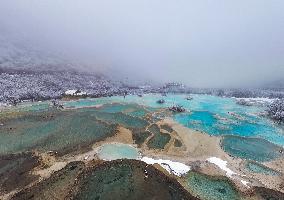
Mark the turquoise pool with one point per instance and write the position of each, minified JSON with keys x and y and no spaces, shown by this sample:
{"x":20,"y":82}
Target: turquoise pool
{"x":118,"y":151}
{"x":259,"y":168}
{"x":211,"y":188}
{"x":213,"y":115}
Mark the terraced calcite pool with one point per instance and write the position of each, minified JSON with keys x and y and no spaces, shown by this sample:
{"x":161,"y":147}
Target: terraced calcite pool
{"x":211,"y":188}
{"x":259,"y":168}
{"x":53,"y":130}
{"x":95,"y":148}
{"x":118,"y":151}
{"x":251,"y":148}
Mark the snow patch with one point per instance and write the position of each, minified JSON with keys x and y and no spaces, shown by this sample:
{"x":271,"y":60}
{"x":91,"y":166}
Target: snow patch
{"x":245,"y":183}
{"x":260,"y":100}
{"x":75,"y":93}
{"x":222,"y":164}
{"x":3,"y":104}
{"x":172,"y":167}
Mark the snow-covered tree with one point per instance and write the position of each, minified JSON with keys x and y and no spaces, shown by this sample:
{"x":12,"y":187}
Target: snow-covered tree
{"x":276,"y":110}
{"x":243,"y":102}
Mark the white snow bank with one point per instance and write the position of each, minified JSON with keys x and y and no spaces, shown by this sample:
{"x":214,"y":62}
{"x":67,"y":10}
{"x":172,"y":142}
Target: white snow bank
{"x":176,"y":168}
{"x":245,"y":183}
{"x":75,"y":93}
{"x":257,"y":100}
{"x":3,"y":104}
{"x":222,"y":165}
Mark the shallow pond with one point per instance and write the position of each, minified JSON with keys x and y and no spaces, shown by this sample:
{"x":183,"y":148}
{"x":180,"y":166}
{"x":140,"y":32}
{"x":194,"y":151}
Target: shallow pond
{"x":213,"y":115}
{"x":259,"y":168}
{"x":55,"y":131}
{"x":211,"y":188}
{"x":251,"y":148}
{"x":118,"y":151}
{"x":130,"y":109}
{"x":122,"y":119}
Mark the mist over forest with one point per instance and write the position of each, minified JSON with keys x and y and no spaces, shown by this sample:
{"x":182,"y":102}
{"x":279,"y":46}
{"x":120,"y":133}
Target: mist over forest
{"x":201,"y":44}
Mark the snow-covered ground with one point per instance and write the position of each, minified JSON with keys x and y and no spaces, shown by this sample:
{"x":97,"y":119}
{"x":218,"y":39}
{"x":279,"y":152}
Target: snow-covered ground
{"x":222,"y":164}
{"x":172,"y":167}
{"x":34,"y":85}
{"x":27,"y":72}
{"x":245,"y":183}
{"x":75,"y":93}
{"x":258,"y":100}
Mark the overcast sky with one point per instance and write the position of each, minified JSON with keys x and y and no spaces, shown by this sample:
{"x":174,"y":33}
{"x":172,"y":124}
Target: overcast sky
{"x":202,"y":43}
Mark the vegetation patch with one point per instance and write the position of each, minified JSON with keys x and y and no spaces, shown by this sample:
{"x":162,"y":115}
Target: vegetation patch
{"x":139,"y":136}
{"x":128,"y":179}
{"x":159,"y":140}
{"x":177,"y":143}
{"x":14,"y":171}
{"x":58,"y":186}
{"x":167,"y":128}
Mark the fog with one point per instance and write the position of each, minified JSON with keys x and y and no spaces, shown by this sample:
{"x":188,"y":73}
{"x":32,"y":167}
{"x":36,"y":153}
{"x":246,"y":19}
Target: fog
{"x":202,"y":43}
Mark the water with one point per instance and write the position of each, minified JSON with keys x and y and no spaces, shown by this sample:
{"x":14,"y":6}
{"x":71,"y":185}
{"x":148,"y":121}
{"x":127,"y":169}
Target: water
{"x":62,"y":130}
{"x":239,"y":124}
{"x":43,"y":106}
{"x":251,"y":148}
{"x":130,"y":109}
{"x":123,"y":119}
{"x":245,"y":134}
{"x":56,"y":131}
{"x":118,"y":151}
{"x":211,"y":188}
{"x":199,"y":120}
{"x":259,"y":168}
{"x":213,"y":115}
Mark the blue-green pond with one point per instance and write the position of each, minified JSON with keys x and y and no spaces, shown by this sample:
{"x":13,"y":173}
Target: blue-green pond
{"x":259,"y":168}
{"x":118,"y":151}
{"x":213,"y":115}
{"x":251,"y":148}
{"x":211,"y":188}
